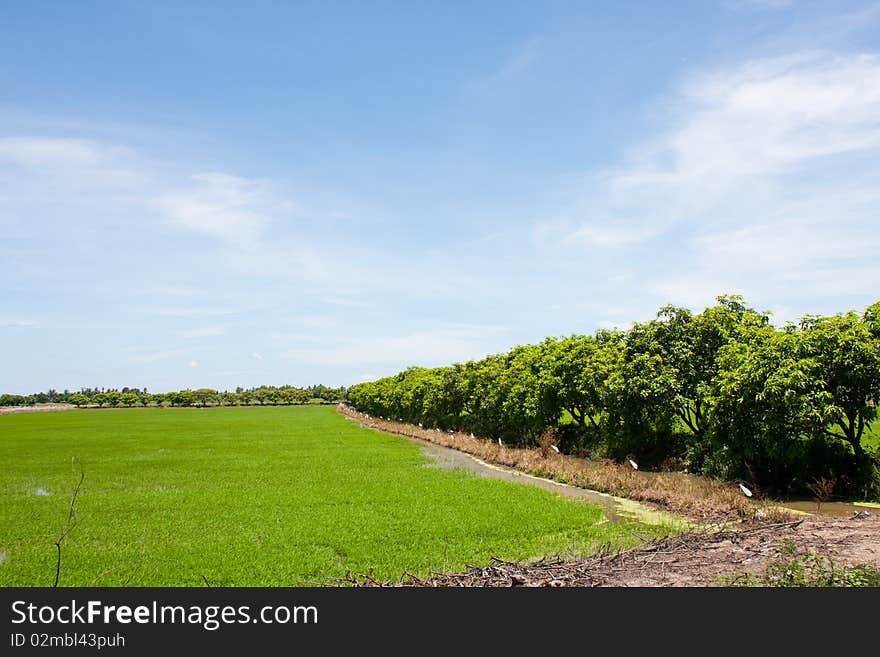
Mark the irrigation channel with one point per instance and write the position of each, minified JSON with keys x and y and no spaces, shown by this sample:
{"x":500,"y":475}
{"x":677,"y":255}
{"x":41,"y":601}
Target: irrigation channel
{"x":709,"y":555}
{"x":616,"y":509}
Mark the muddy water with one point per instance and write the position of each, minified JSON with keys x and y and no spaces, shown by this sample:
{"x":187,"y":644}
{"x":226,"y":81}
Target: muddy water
{"x":615,"y":509}
{"x":831,"y":509}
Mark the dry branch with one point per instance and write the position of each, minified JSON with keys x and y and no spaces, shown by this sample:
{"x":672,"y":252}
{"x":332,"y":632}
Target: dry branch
{"x":71,"y":520}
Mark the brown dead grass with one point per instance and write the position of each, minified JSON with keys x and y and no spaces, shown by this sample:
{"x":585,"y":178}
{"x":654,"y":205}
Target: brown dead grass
{"x":697,"y":497}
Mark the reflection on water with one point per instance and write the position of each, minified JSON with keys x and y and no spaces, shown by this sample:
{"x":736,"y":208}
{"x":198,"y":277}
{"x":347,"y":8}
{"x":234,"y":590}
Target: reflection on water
{"x":830,"y":509}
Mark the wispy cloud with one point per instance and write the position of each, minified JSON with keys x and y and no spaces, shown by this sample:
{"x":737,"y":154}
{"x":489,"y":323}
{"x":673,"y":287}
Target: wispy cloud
{"x":609,"y":236}
{"x":206,"y":332}
{"x":188,"y":311}
{"x":317,"y":321}
{"x":769,"y":172}
{"x":156,"y":356}
{"x":761,"y":5}
{"x":66,"y":170}
{"x":508,"y":71}
{"x":17,"y":323}
{"x":429,"y":346}
{"x":175,"y":291}
{"x":521,"y":60}
{"x":44,"y":152}
{"x":347,"y":302}
{"x":762,"y":119}
{"x":230,"y":208}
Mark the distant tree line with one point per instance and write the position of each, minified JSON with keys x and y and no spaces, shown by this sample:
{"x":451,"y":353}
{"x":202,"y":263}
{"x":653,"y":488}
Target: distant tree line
{"x":132,"y":397}
{"x":721,"y":392}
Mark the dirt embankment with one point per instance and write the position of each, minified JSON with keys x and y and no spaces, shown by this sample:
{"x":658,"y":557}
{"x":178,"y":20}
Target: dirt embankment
{"x":698,"y":558}
{"x":9,"y":410}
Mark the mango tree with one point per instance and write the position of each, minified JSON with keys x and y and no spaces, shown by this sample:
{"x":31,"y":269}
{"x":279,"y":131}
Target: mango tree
{"x":845,"y":357}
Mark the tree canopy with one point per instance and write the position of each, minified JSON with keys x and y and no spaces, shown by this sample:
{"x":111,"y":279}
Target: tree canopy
{"x":722,"y":392}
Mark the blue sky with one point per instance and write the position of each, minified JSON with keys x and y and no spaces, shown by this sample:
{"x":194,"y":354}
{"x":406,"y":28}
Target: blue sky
{"x":223,"y":194}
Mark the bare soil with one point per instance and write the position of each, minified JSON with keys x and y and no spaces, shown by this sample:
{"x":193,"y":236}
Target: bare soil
{"x":698,"y":558}
{"x":9,"y":410}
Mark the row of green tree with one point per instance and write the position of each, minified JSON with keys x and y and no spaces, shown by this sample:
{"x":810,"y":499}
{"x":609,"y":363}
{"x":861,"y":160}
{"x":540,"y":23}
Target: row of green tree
{"x":130,"y":397}
{"x":53,"y":396}
{"x":722,"y":392}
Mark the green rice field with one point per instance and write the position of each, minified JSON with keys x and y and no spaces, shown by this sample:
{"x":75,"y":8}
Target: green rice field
{"x":278,"y":496}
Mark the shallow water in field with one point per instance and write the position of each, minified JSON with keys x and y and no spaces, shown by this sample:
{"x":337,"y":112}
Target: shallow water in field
{"x":615,"y":509}
{"x":832,"y":509}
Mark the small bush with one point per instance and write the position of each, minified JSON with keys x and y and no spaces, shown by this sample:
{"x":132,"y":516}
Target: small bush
{"x":547,"y":439}
{"x":808,"y":570}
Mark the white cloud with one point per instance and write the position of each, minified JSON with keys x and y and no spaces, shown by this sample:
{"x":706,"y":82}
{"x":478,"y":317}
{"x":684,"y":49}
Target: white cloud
{"x":156,"y":356}
{"x":44,"y":152}
{"x":176,"y":291}
{"x":786,"y":246}
{"x":432,"y":346}
{"x":511,"y":69}
{"x":766,"y":5}
{"x":193,"y":363}
{"x":189,"y":311}
{"x":206,"y":332}
{"x":699,"y":291}
{"x":47,"y":169}
{"x":257,"y":356}
{"x":769,"y":173}
{"x":520,"y":62}
{"x":232,"y":209}
{"x":609,"y":236}
{"x":17,"y":323}
{"x":754,"y":122}
{"x":317,"y":321}
{"x":345,"y":302}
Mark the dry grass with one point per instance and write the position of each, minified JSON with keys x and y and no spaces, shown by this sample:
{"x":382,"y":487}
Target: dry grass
{"x":691,"y":495}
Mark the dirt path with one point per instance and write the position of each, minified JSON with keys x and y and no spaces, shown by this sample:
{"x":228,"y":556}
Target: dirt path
{"x":9,"y":410}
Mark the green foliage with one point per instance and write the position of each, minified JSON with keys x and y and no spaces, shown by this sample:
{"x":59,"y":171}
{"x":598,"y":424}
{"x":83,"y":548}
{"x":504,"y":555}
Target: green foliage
{"x":274,"y":496}
{"x":581,"y":369}
{"x":264,"y":395}
{"x":78,"y":399}
{"x":722,"y":392}
{"x":15,"y":400}
{"x":845,"y":354}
